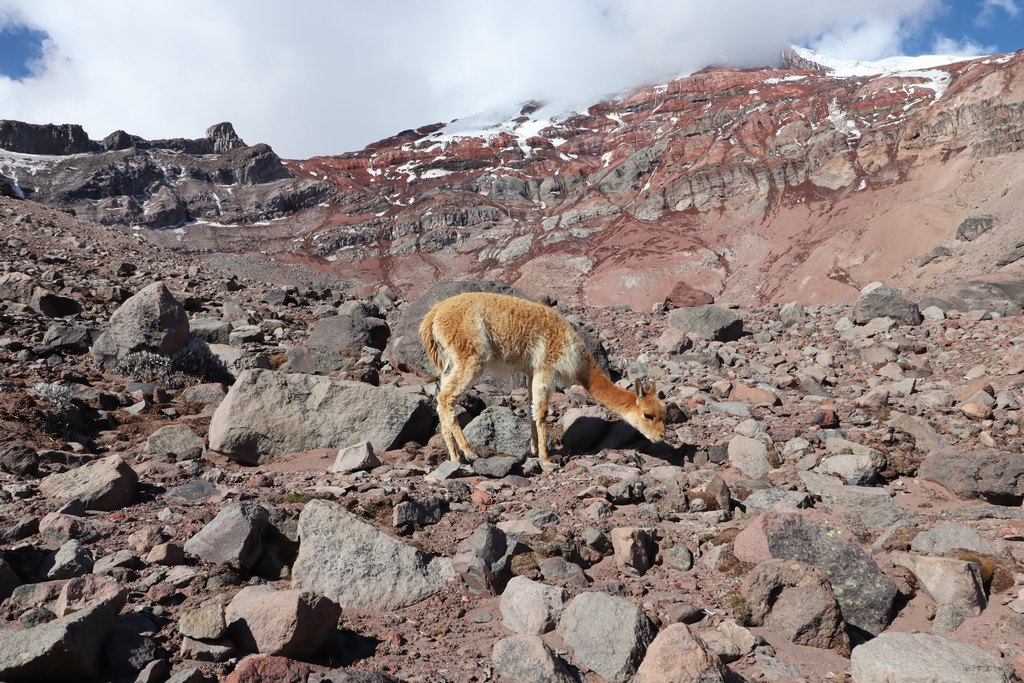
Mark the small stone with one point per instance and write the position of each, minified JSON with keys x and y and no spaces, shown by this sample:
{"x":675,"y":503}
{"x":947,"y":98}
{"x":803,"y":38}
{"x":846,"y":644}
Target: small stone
{"x":204,"y":623}
{"x":530,"y":607}
{"x":355,"y":458}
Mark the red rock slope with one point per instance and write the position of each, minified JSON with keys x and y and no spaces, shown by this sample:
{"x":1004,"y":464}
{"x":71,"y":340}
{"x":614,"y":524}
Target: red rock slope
{"x":755,"y":185}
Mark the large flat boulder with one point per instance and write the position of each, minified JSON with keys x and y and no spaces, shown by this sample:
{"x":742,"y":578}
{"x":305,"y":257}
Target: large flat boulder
{"x":107,"y":484}
{"x":271,"y":413}
{"x":711,"y":322}
{"x":996,"y":476}
{"x":914,"y":657}
{"x":66,"y":649}
{"x":359,"y":567}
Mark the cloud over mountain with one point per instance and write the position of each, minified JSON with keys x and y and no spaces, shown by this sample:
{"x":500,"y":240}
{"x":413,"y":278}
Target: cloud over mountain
{"x":314,"y":78}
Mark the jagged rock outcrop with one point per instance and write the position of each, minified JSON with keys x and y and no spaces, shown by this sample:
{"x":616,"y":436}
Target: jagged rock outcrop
{"x":31,"y":138}
{"x":156,"y":183}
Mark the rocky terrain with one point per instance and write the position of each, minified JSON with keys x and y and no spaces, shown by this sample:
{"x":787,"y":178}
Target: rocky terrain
{"x":206,"y":476}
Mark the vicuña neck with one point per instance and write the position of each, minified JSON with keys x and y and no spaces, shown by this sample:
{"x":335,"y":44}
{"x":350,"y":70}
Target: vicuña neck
{"x":605,"y":391}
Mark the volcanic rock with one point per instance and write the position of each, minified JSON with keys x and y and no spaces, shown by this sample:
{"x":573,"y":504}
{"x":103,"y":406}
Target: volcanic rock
{"x":900,"y":657}
{"x":867,"y":596}
{"x":357,"y":566}
{"x":151,"y":320}
{"x":609,"y":635}
{"x":267,"y":413}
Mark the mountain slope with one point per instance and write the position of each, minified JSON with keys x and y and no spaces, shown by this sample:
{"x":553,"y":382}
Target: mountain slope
{"x":753,"y":185}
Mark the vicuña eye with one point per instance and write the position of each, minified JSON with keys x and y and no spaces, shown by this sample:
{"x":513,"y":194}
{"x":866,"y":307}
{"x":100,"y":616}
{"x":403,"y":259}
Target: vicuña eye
{"x":648,"y":416}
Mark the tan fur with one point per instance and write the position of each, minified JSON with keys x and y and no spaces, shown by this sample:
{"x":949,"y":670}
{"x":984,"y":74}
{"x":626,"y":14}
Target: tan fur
{"x":468,"y":334}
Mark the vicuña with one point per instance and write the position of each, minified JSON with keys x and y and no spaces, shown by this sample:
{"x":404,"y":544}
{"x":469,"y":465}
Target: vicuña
{"x":471,"y":333}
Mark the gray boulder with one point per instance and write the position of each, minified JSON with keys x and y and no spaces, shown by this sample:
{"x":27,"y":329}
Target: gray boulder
{"x":527,"y":659}
{"x":355,"y":565}
{"x":921,"y":657}
{"x":711,"y":322}
{"x":151,"y":320}
{"x":607,"y":634}
{"x":499,"y":428}
{"x":996,"y":476}
{"x":177,"y":440}
{"x":65,"y":649}
{"x":531,"y":607}
{"x":337,"y":342}
{"x":973,"y":227}
{"x":270,"y":413}
{"x":955,"y":586}
{"x":879,"y":300}
{"x":484,"y":560}
{"x":70,"y":560}
{"x":73,"y":339}
{"x":17,"y":287}
{"x":948,"y":536}
{"x":233,"y":537}
{"x":211,"y":331}
{"x":873,"y":505}
{"x":866,"y":595}
{"x":107,"y":484}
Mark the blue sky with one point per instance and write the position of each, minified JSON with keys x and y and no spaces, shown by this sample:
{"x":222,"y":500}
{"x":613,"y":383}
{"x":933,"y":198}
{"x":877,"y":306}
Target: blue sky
{"x":992,"y":25}
{"x":328,"y":76}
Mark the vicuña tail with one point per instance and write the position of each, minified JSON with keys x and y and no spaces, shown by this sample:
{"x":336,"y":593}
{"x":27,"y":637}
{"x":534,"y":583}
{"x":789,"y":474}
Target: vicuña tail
{"x":429,"y":343}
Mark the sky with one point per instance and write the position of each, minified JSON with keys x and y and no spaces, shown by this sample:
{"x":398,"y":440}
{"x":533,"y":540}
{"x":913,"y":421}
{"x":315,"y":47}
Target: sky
{"x":314,"y":77}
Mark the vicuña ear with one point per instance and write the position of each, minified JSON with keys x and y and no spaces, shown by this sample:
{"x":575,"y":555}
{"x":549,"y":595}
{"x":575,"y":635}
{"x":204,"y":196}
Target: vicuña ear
{"x":653,"y":389}
{"x":638,"y":387}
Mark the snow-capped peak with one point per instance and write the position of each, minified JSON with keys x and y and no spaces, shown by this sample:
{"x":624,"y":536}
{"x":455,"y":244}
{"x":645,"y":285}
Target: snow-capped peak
{"x":891,"y":65}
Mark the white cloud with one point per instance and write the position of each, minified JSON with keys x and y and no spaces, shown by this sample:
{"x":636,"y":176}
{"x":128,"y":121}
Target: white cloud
{"x":991,"y":8}
{"x":944,"y":45}
{"x":320,"y":77}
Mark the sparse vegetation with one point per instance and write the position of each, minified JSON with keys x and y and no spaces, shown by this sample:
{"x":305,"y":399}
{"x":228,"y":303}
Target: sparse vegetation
{"x":192,"y":364}
{"x":736,"y":605}
{"x":57,"y":395}
{"x":297,"y":497}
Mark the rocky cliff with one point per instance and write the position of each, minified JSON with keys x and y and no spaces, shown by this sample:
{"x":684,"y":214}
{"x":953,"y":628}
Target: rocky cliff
{"x":125,"y":179}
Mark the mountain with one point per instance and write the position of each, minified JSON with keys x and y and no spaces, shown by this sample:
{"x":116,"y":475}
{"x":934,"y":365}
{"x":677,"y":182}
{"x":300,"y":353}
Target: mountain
{"x":802,"y":181}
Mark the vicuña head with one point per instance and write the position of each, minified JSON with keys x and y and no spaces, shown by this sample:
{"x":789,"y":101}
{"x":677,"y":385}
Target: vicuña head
{"x":471,"y":333}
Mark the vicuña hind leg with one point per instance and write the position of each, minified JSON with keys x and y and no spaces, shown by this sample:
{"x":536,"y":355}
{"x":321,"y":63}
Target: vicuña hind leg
{"x":533,"y":421}
{"x":454,"y":385}
{"x":540,"y":391}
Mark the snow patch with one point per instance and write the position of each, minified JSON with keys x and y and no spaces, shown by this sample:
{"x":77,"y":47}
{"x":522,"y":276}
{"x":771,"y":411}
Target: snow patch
{"x":846,"y":68}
